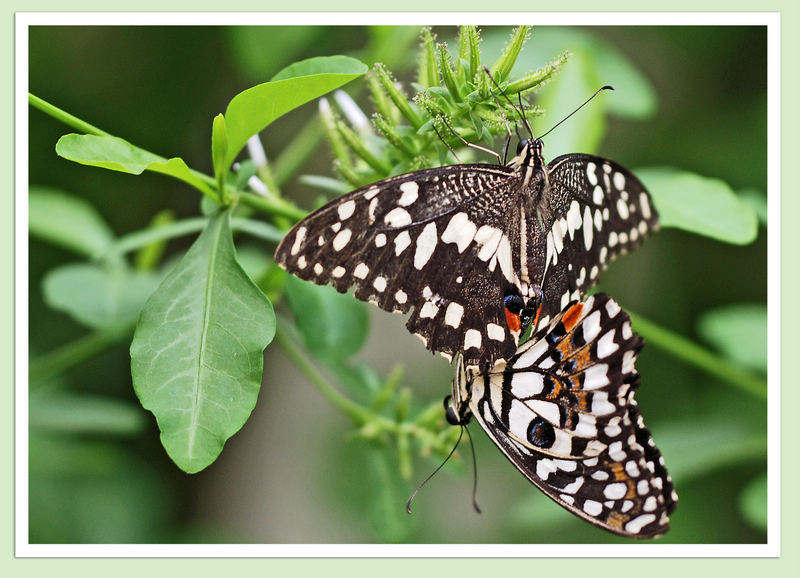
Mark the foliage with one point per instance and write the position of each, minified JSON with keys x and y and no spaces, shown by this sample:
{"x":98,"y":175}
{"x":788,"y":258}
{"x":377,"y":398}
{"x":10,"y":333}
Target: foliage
{"x":204,"y":318}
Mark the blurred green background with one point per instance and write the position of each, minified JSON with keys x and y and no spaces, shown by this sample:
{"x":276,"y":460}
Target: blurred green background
{"x":689,"y":97}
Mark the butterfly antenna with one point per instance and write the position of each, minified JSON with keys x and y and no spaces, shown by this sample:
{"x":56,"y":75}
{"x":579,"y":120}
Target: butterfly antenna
{"x":434,"y":472}
{"x":465,"y":141}
{"x":520,"y":109}
{"x":474,"y":473}
{"x":444,"y":141}
{"x":599,"y":90}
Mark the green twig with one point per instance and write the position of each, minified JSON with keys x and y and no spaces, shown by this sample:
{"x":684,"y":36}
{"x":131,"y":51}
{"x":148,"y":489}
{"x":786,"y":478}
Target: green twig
{"x":145,"y":237}
{"x":273,"y":206}
{"x":700,"y":357}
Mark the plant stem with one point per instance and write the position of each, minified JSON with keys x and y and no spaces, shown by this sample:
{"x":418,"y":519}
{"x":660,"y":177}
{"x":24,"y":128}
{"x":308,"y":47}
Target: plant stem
{"x":73,"y":353}
{"x":64,"y":116}
{"x":359,"y":414}
{"x":85,"y":127}
{"x":273,"y":206}
{"x":700,"y":357}
{"x":145,"y":237}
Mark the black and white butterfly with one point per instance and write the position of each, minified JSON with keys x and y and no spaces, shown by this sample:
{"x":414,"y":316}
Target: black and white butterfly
{"x":453,"y":242}
{"x":563,"y":411}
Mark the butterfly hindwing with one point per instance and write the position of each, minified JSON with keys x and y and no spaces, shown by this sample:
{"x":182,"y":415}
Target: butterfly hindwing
{"x":563,"y":411}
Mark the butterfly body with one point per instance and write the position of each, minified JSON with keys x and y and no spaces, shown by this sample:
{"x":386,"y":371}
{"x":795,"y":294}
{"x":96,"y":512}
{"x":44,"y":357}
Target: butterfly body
{"x":450,"y":243}
{"x":563,"y":412}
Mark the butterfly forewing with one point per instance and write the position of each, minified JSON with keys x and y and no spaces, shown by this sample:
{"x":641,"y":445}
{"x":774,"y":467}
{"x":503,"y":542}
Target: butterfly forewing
{"x":594,"y":211}
{"x":442,"y":241}
{"x":562,"y":410}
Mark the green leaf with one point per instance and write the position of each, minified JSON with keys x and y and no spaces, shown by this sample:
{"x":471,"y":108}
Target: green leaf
{"x":254,"y":109}
{"x":337,"y":64}
{"x":82,"y":414}
{"x":753,"y":503}
{"x":197,"y":354}
{"x":116,"y":154}
{"x":757,"y":201}
{"x":98,"y":297}
{"x":701,"y":205}
{"x":739,"y":331}
{"x":67,"y":221}
{"x":334,"y":325}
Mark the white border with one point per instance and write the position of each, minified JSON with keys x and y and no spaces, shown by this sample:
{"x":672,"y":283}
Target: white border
{"x":24,"y":549}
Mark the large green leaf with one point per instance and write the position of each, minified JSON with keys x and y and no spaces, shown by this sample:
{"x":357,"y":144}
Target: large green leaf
{"x":334,"y":325}
{"x":700,"y":205}
{"x":67,"y":221}
{"x":98,"y":297}
{"x":254,"y":109}
{"x":196,"y":356}
{"x":116,"y":154}
{"x":739,"y":331}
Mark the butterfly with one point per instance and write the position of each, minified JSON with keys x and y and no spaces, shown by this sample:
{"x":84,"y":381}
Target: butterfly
{"x":563,"y":412}
{"x":452,"y":242}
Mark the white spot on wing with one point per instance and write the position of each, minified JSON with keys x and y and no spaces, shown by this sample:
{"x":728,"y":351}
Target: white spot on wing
{"x":401,"y":242}
{"x":338,"y":272}
{"x":410,"y":192}
{"x":371,"y":193}
{"x":619,"y":180}
{"x":622,"y":209}
{"x":426,"y":244}
{"x":380,"y":240}
{"x":644,"y":201}
{"x":587,"y":228}
{"x":495,"y":332}
{"x":615,"y":491}
{"x":401,"y":297}
{"x":380,"y":284}
{"x":341,"y":239}
{"x":298,"y":240}
{"x":429,"y":310}
{"x":592,"y":508}
{"x":472,"y":339}
{"x":591,"y":174}
{"x":453,"y":314}
{"x":397,"y":217}
{"x":597,"y":195}
{"x":346,"y":210}
{"x":460,"y":230}
{"x":361,"y":271}
{"x":635,"y":526}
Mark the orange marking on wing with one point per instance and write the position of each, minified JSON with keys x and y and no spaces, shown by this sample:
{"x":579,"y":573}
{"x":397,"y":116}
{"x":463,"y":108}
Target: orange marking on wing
{"x":536,"y":317}
{"x":616,"y":520}
{"x":572,"y":316}
{"x":514,"y":324}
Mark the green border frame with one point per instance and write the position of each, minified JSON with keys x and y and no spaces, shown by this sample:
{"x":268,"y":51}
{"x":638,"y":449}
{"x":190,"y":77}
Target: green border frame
{"x":790,"y":238}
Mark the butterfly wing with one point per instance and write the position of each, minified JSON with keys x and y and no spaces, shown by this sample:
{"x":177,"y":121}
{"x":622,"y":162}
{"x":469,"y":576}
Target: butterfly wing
{"x":442,"y":241}
{"x":595,"y":209}
{"x":563,"y":412}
